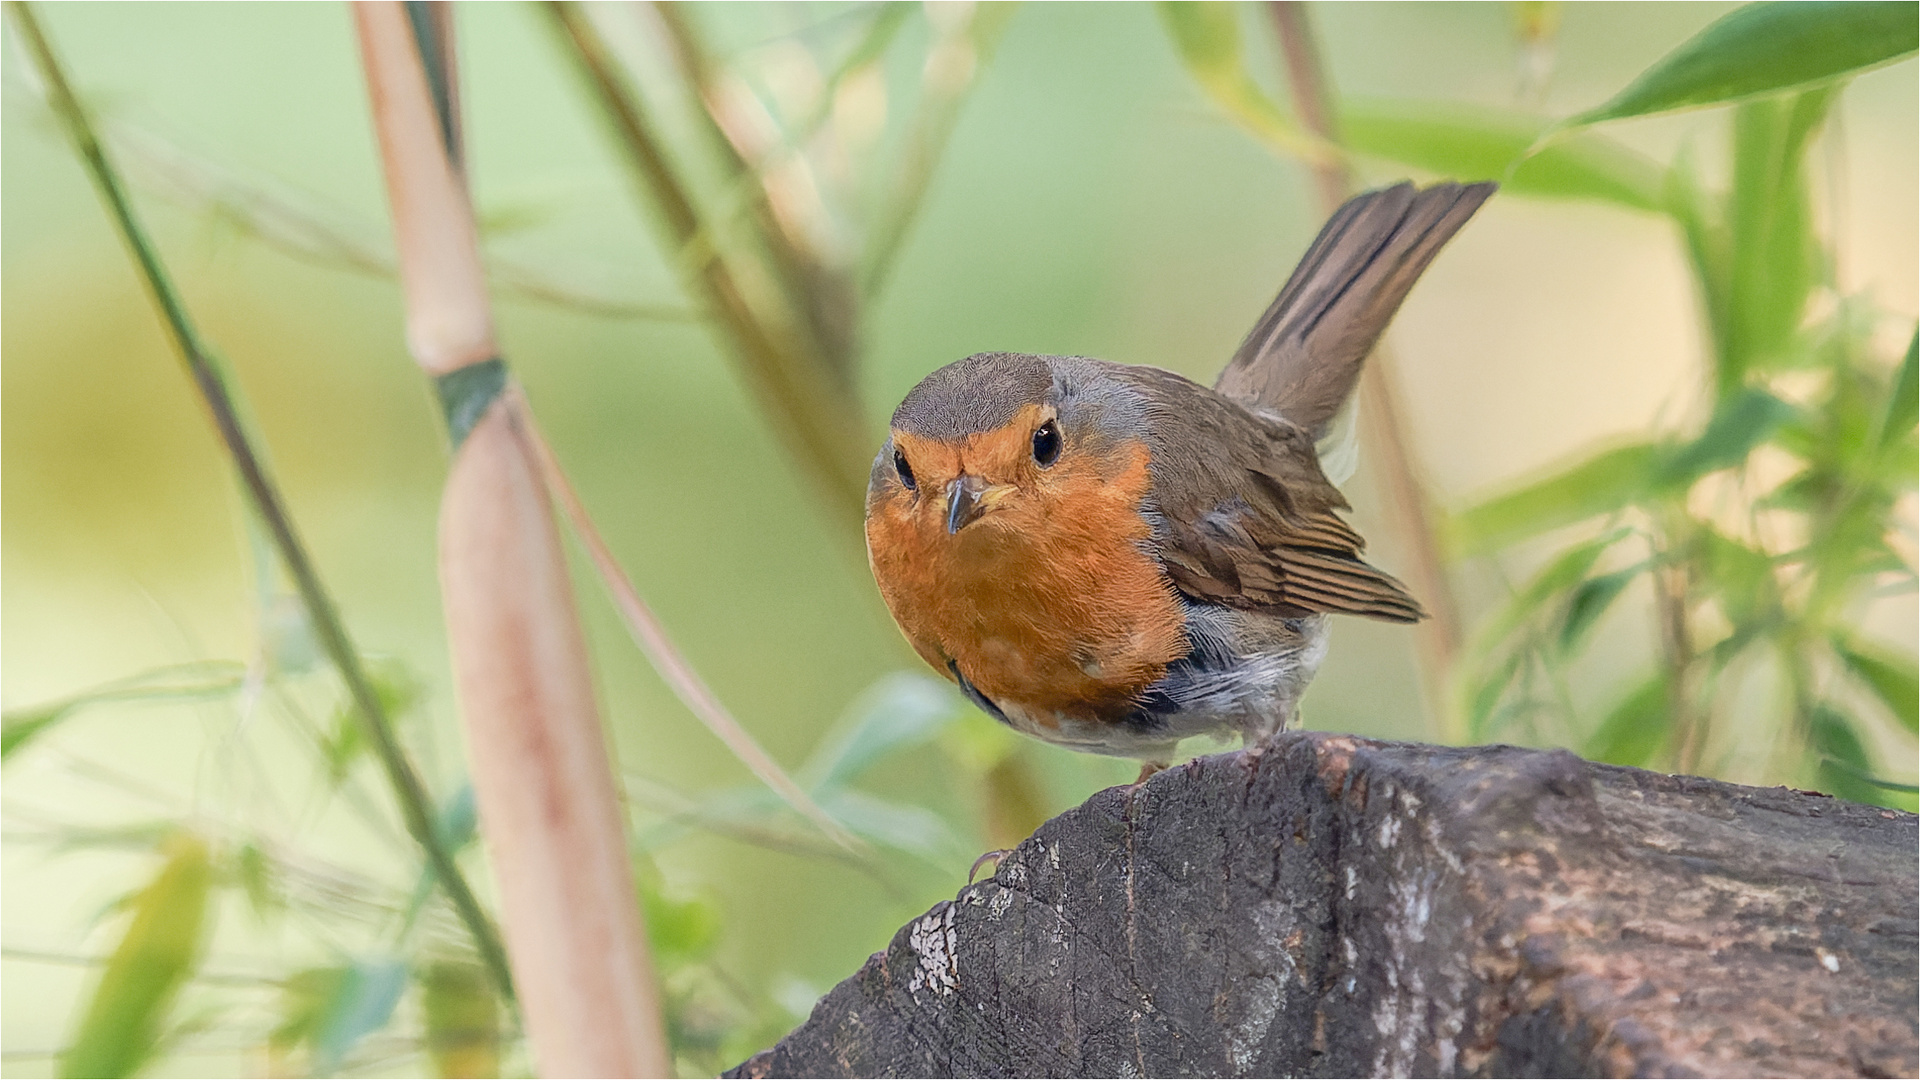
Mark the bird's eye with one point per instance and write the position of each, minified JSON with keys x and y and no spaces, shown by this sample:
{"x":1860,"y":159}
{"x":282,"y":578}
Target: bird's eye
{"x":1046,"y":444}
{"x":906,"y":472}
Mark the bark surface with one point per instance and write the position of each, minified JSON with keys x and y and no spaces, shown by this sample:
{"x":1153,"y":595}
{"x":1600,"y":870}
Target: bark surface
{"x":1334,"y":906}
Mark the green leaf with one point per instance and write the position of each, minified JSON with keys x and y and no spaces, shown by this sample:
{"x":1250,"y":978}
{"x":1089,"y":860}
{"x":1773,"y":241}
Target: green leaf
{"x":1903,"y":403}
{"x":462,"y":1018}
{"x":682,"y":929}
{"x":161,"y":946}
{"x":398,"y":690}
{"x":260,"y":879}
{"x":193,"y":681}
{"x":1843,"y":766}
{"x":900,"y":710}
{"x":1635,"y":729}
{"x":361,"y":1004}
{"x":1485,"y":698}
{"x":20,"y":727}
{"x":1893,"y":679}
{"x":1741,"y":577}
{"x":1765,"y":48}
{"x":1590,"y":601}
{"x":912,"y":829}
{"x":1775,"y":254}
{"x":1603,"y":483}
{"x":1740,"y":423}
{"x":1207,"y":36}
{"x":304,"y":997}
{"x":1474,"y":143}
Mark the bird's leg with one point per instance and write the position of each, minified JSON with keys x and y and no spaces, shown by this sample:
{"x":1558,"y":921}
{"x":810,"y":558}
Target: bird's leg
{"x":997,"y":856}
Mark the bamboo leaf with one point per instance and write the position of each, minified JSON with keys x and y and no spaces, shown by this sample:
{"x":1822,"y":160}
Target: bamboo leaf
{"x":1775,"y":255}
{"x":1741,"y":577}
{"x":1765,"y":48}
{"x":1590,"y":601}
{"x":1739,"y":424}
{"x":1843,"y":766}
{"x":1607,"y":481}
{"x":1469,"y":143}
{"x":191,"y":682}
{"x":1893,"y":679}
{"x":398,"y":690}
{"x":681,"y":929}
{"x":1207,"y":36}
{"x":1636,"y":727}
{"x":912,"y":829}
{"x":22,"y":726}
{"x":901,"y":710}
{"x":304,"y":997}
{"x":462,"y":1019}
{"x":361,"y":1004}
{"x":1904,"y":401}
{"x":160,"y":949}
{"x":260,"y":879}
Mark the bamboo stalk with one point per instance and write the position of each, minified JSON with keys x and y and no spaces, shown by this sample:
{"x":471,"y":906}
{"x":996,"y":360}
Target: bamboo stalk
{"x":549,"y":809}
{"x":813,"y":411}
{"x":1409,"y":507}
{"x":263,"y":494}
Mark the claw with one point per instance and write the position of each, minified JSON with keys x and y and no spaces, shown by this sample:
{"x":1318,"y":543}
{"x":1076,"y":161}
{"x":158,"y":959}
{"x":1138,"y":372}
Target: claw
{"x":996,"y":856}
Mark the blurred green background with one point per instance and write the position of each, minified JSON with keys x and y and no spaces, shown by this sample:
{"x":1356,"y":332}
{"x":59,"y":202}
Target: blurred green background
{"x":1090,"y":201}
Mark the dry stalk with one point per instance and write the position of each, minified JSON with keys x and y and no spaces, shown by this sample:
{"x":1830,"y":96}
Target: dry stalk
{"x":814,"y":412}
{"x":1409,"y":507}
{"x":550,"y":812}
{"x":652,"y":639}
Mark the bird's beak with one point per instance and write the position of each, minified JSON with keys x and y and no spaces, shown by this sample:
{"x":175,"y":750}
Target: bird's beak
{"x":968,"y":497}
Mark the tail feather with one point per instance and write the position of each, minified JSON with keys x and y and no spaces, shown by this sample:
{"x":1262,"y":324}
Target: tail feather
{"x":1303,"y":356}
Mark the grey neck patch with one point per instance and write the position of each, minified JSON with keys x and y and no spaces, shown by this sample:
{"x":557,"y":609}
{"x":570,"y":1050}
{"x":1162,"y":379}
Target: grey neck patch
{"x":980,"y":393}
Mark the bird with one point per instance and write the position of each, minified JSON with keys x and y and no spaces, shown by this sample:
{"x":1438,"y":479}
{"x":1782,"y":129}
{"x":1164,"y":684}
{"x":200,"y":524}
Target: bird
{"x":1113,"y":557}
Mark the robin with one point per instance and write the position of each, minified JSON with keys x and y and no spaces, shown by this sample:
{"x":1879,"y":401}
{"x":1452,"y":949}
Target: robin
{"x":1112,"y":557}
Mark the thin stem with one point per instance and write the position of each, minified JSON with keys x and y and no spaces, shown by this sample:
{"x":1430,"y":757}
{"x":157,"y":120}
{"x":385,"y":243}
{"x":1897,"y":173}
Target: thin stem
{"x":264,"y":494}
{"x":652,"y":639}
{"x":1409,"y":507}
{"x":822,"y":296}
{"x":951,"y":66}
{"x":1686,"y":724}
{"x":813,"y":412}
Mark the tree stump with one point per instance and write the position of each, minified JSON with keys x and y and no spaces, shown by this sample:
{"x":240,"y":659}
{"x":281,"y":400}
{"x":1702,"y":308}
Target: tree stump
{"x":1334,"y":906}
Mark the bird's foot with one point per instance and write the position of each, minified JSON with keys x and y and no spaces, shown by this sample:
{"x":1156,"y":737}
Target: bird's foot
{"x":997,"y":857}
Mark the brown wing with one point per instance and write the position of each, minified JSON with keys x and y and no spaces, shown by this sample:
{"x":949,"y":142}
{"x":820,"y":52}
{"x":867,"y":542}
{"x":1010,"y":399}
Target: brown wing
{"x":1302,"y":357}
{"x":1247,"y":519}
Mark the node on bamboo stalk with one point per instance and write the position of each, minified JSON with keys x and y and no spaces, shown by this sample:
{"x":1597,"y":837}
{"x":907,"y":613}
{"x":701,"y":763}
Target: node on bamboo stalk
{"x":549,"y":810}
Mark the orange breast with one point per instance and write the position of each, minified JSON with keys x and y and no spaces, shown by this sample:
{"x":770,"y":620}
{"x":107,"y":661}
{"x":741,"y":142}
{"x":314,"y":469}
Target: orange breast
{"x":1049,"y":600}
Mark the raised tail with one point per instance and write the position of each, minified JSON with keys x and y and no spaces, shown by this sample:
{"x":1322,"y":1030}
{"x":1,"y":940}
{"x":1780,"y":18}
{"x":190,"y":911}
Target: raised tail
{"x":1303,"y":356}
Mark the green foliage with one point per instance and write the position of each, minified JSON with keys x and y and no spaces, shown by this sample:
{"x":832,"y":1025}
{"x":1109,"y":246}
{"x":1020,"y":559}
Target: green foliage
{"x":125,"y":1017}
{"x":1470,"y":142}
{"x":462,"y":1017}
{"x":1601,"y":484}
{"x":1744,"y":571}
{"x":176,"y":682}
{"x":1728,"y":587}
{"x":1766,"y":48}
{"x":1207,"y":35}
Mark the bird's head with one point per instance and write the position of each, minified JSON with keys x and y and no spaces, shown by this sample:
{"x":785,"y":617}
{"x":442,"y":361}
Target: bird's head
{"x":996,"y":441}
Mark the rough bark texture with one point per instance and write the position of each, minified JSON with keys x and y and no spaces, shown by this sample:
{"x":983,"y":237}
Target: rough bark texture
{"x":1334,"y":906}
